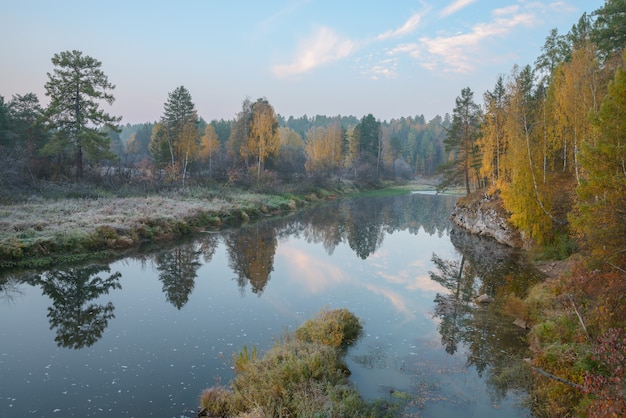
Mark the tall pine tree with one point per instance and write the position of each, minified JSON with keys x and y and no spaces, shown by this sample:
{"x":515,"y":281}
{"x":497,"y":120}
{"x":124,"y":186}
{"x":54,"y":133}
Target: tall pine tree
{"x":461,"y":141}
{"x":76,"y":87}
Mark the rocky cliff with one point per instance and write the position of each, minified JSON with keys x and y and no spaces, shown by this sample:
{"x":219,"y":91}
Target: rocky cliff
{"x":483,"y":214}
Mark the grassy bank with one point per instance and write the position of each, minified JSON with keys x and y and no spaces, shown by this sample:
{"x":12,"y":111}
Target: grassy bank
{"x":303,"y":375}
{"x":44,"y":232}
{"x":41,"y":232}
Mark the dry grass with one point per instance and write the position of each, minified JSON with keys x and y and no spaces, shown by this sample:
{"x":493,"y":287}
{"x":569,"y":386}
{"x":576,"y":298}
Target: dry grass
{"x":298,"y":377}
{"x":47,"y":227}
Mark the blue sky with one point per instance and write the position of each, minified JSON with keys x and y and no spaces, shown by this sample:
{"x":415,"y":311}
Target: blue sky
{"x":393,"y":58}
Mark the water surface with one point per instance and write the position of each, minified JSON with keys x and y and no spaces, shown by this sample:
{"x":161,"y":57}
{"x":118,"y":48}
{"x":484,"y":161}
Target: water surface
{"x":143,"y":336}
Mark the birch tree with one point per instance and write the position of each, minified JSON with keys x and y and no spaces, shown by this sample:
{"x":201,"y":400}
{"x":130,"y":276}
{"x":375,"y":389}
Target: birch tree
{"x":263,"y":139}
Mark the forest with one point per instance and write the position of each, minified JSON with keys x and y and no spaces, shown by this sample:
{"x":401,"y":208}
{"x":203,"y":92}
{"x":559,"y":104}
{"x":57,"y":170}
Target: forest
{"x":258,"y":148}
{"x":548,"y":141}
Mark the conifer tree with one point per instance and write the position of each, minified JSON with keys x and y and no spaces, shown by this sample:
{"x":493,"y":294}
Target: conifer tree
{"x":601,"y":217}
{"x":76,"y":88}
{"x":461,"y":142}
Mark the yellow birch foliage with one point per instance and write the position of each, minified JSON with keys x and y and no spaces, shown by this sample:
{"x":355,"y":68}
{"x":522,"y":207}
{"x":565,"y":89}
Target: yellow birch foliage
{"x":577,"y":93}
{"x":323,"y":148}
{"x":210,"y":144}
{"x":524,"y":193}
{"x":263,"y":140}
{"x":493,"y":140}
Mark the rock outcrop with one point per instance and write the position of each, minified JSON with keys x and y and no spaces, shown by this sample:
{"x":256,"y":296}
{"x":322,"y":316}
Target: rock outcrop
{"x":483,"y":214}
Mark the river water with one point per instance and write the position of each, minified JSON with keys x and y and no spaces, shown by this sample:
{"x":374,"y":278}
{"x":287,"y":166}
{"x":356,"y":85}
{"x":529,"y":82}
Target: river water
{"x":144,"y":335}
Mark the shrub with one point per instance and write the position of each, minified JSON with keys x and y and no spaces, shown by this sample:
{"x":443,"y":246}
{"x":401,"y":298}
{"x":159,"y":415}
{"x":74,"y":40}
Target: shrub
{"x":604,"y":383}
{"x":11,"y":249}
{"x":302,"y":375}
{"x":335,"y":328}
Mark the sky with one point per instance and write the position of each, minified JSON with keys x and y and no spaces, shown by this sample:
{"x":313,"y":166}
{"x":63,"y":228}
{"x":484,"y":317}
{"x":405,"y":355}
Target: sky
{"x":316,"y":57}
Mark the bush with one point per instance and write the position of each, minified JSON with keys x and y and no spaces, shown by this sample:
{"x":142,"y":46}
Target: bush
{"x":303,"y":375}
{"x":336,"y":328}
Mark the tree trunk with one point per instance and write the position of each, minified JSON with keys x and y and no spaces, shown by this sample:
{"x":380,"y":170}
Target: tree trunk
{"x":79,"y":162}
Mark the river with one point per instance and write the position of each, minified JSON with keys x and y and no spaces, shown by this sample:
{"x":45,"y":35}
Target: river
{"x":144,"y":335}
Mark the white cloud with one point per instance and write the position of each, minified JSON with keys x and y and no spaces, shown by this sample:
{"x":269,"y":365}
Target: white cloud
{"x":457,"y":53}
{"x":455,"y":7}
{"x":324,"y":47}
{"x":506,"y":10}
{"x":409,"y":26}
{"x":382,"y":68}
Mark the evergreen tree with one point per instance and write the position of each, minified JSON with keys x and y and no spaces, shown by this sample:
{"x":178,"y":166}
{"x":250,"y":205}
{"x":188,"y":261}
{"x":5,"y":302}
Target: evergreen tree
{"x":601,"y":218}
{"x":609,"y":29}
{"x":76,"y":87}
{"x":176,"y":137}
{"x":461,"y":141}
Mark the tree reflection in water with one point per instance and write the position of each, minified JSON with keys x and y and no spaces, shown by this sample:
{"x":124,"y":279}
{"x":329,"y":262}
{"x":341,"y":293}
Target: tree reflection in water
{"x":251,"y":253}
{"x":78,"y":323}
{"x":178,"y":269}
{"x":492,"y":344}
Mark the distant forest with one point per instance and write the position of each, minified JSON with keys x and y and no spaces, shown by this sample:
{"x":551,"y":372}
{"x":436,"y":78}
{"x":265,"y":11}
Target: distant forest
{"x":411,"y":146}
{"x":73,"y":140}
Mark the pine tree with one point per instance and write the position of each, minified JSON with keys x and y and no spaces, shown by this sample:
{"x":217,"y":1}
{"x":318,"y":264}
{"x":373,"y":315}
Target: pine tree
{"x":461,"y":141}
{"x":175,"y":139}
{"x":76,"y":87}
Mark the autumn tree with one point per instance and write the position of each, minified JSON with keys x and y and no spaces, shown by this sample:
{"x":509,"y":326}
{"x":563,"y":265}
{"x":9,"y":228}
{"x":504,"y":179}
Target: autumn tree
{"x":461,"y":141}
{"x":602,"y":190}
{"x":493,"y":140}
{"x":76,"y":88}
{"x":175,"y":139}
{"x":525,"y":193}
{"x":188,"y":145}
{"x":263,"y":138}
{"x":237,"y":144}
{"x":210,"y":145}
{"x":323,"y":149}
{"x":578,"y":89}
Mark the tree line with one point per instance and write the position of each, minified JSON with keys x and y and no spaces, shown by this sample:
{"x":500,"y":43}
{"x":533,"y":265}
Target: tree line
{"x":74,"y":139}
{"x":550,"y":138}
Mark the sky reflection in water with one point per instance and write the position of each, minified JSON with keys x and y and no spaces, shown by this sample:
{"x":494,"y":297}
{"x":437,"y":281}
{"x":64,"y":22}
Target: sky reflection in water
{"x":146,"y":334}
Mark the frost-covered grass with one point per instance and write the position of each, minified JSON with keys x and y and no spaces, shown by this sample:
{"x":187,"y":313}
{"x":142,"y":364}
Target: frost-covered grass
{"x":48,"y":227}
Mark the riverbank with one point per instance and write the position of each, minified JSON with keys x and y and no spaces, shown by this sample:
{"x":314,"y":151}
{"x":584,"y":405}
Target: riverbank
{"x":575,"y":319}
{"x":44,"y":232}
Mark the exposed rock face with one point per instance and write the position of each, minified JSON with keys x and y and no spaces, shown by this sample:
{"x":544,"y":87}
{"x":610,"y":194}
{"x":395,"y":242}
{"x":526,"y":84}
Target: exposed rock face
{"x":483,"y":214}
